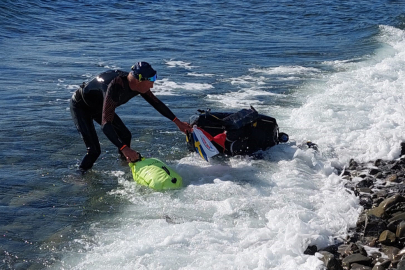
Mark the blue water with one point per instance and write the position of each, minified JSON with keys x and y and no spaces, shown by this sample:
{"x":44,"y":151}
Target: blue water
{"x":329,"y":71}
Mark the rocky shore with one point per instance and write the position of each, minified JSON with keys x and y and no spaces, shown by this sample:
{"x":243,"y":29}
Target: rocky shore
{"x":377,"y":241}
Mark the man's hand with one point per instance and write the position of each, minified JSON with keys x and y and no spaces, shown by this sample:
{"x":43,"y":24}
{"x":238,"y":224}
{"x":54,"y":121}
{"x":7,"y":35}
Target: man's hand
{"x":183,"y":126}
{"x":130,"y":154}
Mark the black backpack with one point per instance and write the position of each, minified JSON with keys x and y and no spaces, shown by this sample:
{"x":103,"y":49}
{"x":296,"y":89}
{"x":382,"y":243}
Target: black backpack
{"x":247,"y":131}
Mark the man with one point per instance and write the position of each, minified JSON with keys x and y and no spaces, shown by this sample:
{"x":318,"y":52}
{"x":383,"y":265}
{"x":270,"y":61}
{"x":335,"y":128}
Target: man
{"x":98,"y":99}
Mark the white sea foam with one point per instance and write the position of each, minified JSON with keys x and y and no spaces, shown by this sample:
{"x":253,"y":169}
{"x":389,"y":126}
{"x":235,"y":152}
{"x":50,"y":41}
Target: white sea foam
{"x":243,"y":213}
{"x":168,"y":87}
{"x":173,"y":63}
{"x":359,"y":113}
{"x":239,"y":214}
{"x":200,"y":74}
{"x":286,"y":70}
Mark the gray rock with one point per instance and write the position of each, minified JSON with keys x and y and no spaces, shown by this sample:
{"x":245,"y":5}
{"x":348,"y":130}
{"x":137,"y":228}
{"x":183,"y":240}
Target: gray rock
{"x":390,"y":251}
{"x":364,"y":190}
{"x":330,"y":261}
{"x":366,"y":183}
{"x":378,"y":162}
{"x":395,"y":166}
{"x":353,"y":165}
{"x":376,"y":211}
{"x":399,"y":216}
{"x":379,"y":175}
{"x":392,"y":226}
{"x":311,"y":250}
{"x":356,"y":266}
{"x":365,"y":200}
{"x":387,"y":237}
{"x":374,"y":171}
{"x":382,"y":265}
{"x":380,"y":210}
{"x":355,"y":258}
{"x":381,"y":193}
{"x":400,"y":232}
{"x":351,"y":248}
{"x":391,"y":200}
{"x":401,"y":264}
{"x":374,"y":226}
{"x":392,"y":178}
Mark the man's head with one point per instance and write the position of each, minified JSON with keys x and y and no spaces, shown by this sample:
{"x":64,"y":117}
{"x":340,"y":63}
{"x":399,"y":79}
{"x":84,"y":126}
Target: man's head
{"x":143,"y":71}
{"x":142,"y":77}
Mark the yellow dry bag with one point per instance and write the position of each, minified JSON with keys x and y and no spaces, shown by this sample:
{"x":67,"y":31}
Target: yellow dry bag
{"x":153,"y":173}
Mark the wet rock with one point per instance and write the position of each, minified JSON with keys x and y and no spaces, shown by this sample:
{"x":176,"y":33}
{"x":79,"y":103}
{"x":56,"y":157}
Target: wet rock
{"x":396,"y":209}
{"x":376,"y":211}
{"x":374,"y":226}
{"x":311,"y":250}
{"x":364,"y":190}
{"x":331,"y":249}
{"x":390,"y":251}
{"x":378,"y":163}
{"x":402,"y":148}
{"x":345,"y":173}
{"x":379,"y":175}
{"x":380,"y":210}
{"x":366,"y":201}
{"x":381,"y":193}
{"x":401,"y":252}
{"x":395,"y":166}
{"x":356,"y":266}
{"x":349,"y":249}
{"x":400,"y":231}
{"x":366,"y":183}
{"x":355,"y":258}
{"x":391,"y":200}
{"x":392,"y":226}
{"x":353,"y":165}
{"x":387,"y":237}
{"x":392,"y":178}
{"x":374,"y":171}
{"x":400,"y":264}
{"x":370,"y":241}
{"x":375,"y":256}
{"x":382,"y":265}
{"x":399,"y":216}
{"x":330,"y":261}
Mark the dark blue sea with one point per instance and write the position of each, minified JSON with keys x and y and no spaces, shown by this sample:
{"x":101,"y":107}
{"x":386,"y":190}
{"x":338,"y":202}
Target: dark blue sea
{"x":331,"y":72}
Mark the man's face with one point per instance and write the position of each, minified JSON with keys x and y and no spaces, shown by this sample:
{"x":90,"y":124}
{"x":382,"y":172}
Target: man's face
{"x":144,"y":86}
{"x":139,"y":86}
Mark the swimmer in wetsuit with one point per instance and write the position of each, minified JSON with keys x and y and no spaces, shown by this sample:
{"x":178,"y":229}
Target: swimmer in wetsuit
{"x":98,"y":99}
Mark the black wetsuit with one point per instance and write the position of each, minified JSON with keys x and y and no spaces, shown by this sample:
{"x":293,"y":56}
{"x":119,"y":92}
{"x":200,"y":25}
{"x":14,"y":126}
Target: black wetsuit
{"x":97,"y":101}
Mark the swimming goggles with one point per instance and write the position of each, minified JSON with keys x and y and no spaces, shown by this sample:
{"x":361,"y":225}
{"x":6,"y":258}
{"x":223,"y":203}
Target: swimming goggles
{"x":152,"y":79}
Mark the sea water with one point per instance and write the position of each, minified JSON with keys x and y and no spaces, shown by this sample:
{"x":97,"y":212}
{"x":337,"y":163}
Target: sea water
{"x":331,"y":73}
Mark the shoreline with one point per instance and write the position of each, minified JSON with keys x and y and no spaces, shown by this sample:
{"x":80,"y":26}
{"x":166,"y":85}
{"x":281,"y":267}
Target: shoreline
{"x":377,"y":241}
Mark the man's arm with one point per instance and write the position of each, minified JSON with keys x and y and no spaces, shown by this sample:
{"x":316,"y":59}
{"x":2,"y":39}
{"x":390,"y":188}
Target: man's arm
{"x":158,"y":105}
{"x":108,"y":117}
{"x":108,"y":129}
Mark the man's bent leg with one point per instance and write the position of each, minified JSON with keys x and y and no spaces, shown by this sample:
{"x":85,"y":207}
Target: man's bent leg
{"x":84,"y":124}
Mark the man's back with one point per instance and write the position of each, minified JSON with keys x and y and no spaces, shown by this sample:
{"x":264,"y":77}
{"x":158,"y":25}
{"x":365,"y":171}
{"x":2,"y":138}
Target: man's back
{"x":94,"y":91}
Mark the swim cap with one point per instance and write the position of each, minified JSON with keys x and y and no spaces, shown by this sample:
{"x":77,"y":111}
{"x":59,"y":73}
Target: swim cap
{"x":143,"y":68}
